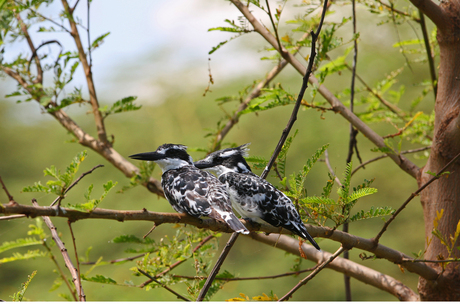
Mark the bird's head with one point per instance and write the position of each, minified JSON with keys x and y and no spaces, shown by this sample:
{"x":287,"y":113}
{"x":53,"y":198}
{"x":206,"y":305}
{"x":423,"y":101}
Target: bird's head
{"x":167,"y":156}
{"x":226,"y":160}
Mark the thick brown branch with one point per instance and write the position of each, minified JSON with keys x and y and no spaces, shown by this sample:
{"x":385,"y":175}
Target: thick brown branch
{"x":338,"y":106}
{"x":348,"y":240}
{"x":354,"y":270}
{"x":432,"y":11}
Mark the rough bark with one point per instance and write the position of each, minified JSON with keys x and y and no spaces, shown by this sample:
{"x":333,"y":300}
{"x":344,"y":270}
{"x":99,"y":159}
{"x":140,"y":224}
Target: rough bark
{"x":444,"y":194}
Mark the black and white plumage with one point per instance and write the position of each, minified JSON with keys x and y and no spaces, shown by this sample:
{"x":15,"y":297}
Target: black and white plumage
{"x":189,"y":189}
{"x":253,"y":197}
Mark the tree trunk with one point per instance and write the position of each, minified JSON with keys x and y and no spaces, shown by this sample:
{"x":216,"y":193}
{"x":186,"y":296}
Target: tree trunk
{"x":444,"y":194}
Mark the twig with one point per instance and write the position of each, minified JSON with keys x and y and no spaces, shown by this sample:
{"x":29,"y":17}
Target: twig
{"x":431,"y":261}
{"x":75,"y":250}
{"x":65,"y":255}
{"x":88,"y":2}
{"x":61,"y":272}
{"x":150,"y":231}
{"x":312,"y":274}
{"x":10,"y":197}
{"x":284,"y":135}
{"x":326,"y":155}
{"x":391,"y":219}
{"x":116,"y":260}
{"x":44,"y":17}
{"x":60,"y":197}
{"x":353,"y":143}
{"x":12,"y":217}
{"x":247,"y":278}
{"x":426,"y":39}
{"x":41,"y":45}
{"x":163,"y":285}
{"x":384,"y":156}
{"x":393,"y":10}
{"x":256,"y":92}
{"x":393,"y":108}
{"x":275,"y":29}
{"x":39,"y":78}
{"x":203,"y":242}
{"x":217,"y":266}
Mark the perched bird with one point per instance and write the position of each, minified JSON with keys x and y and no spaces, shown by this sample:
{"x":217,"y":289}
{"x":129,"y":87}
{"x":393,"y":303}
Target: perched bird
{"x":253,"y":197}
{"x":189,"y":189}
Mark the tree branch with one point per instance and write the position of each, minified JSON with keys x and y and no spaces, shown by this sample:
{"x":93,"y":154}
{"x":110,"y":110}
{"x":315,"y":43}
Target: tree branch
{"x":429,"y":56}
{"x":405,"y":164}
{"x":101,"y":132}
{"x":163,"y":285}
{"x":172,"y":266}
{"x":348,"y":240}
{"x":312,"y":274}
{"x":432,"y":11}
{"x":416,"y":193}
{"x":217,"y":266}
{"x":39,"y":78}
{"x":65,"y":255}
{"x":354,"y":270}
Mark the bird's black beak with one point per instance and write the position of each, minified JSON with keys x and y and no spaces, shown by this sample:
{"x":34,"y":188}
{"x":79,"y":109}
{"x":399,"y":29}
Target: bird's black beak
{"x":203,"y":164}
{"x":148,"y":156}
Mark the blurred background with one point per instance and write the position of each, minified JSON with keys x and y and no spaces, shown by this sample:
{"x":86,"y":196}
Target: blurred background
{"x":158,"y":51}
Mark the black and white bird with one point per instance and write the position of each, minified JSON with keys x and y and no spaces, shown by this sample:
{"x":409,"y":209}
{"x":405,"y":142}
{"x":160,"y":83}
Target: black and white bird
{"x":189,"y":189}
{"x":253,"y":197}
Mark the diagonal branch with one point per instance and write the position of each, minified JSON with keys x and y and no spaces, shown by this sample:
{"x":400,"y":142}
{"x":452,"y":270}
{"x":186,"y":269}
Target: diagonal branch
{"x":354,"y":270}
{"x":405,"y":164}
{"x":217,"y":266}
{"x":304,"y":281}
{"x":284,"y":135}
{"x":163,"y":285}
{"x":256,"y":92}
{"x":39,"y":78}
{"x":172,"y":266}
{"x":73,"y":271}
{"x":101,"y":132}
{"x":412,"y":196}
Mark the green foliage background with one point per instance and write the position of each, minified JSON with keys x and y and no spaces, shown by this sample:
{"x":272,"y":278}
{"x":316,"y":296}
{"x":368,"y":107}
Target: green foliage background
{"x":31,"y":141}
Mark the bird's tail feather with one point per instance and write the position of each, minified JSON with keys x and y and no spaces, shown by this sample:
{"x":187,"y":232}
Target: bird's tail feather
{"x":236,"y":225}
{"x":230,"y":219}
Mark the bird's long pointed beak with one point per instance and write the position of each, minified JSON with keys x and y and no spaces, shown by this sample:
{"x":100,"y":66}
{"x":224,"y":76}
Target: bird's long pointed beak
{"x":147,"y":156}
{"x":203,"y":164}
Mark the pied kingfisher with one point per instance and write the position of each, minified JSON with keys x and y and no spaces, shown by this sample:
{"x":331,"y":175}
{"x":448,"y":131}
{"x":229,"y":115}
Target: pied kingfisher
{"x":189,"y":189}
{"x":253,"y":197}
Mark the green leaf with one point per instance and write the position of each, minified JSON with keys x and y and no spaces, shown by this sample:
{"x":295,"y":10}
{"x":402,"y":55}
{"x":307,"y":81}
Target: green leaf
{"x":372,"y":213}
{"x":98,"y":41}
{"x":318,"y":200}
{"x":99,"y":279}
{"x":361,"y":193}
{"x":19,"y":243}
{"x":123,"y":105}
{"x":29,"y":255}
{"x":17,"y":297}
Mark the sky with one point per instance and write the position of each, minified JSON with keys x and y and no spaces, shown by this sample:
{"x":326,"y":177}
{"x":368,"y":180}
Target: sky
{"x":152,"y":46}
